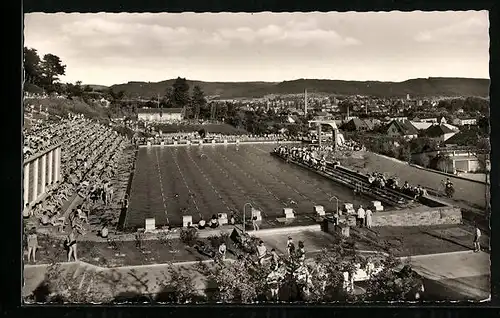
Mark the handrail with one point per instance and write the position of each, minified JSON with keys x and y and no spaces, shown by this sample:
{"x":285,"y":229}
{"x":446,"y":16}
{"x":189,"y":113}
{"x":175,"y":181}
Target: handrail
{"x":41,"y":153}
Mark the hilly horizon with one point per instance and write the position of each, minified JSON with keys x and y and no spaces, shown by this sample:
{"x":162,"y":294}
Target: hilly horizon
{"x":419,"y":87}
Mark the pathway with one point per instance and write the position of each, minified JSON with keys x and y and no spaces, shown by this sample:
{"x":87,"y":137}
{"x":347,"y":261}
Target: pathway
{"x":465,"y":272}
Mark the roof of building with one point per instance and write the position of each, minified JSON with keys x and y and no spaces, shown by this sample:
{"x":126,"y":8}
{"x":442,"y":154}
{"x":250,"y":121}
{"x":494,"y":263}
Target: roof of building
{"x":356,"y":123}
{"x":370,"y":123}
{"x":405,"y":127}
{"x":437,"y":130}
{"x":421,"y":125}
{"x":159,"y":110}
{"x":454,"y":128}
{"x":464,"y":137}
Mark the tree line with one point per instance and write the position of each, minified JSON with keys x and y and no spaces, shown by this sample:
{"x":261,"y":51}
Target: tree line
{"x":43,"y":72}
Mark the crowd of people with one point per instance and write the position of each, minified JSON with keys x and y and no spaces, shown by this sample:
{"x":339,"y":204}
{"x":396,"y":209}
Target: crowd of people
{"x":169,"y":138}
{"x":89,"y":155}
{"x":314,"y":156}
{"x":317,"y":157}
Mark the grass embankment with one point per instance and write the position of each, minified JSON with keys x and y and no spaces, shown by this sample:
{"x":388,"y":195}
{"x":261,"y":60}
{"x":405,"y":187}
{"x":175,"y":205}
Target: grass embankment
{"x":419,"y":240}
{"x":62,"y":107}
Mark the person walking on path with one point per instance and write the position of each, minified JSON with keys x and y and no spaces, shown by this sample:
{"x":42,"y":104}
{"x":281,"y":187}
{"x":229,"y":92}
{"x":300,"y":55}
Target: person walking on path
{"x":71,"y":245}
{"x":32,"y":242}
{"x":254,"y":223}
{"x":369,"y":214}
{"x":477,"y":237}
{"x":361,"y":216}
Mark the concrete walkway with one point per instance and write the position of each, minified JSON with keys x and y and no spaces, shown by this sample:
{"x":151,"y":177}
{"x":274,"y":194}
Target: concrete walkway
{"x":458,"y":271}
{"x":464,"y":272}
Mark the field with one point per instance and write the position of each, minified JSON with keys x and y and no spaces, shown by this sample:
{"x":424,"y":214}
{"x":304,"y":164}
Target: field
{"x":175,"y":181}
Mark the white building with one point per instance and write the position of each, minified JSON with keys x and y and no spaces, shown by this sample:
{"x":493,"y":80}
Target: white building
{"x":160,"y":114}
{"x":464,"y":121}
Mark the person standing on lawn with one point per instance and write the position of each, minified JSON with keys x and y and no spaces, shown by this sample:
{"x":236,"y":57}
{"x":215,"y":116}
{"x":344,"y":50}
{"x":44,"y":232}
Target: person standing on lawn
{"x":71,"y":245}
{"x":477,"y":237}
{"x":369,"y":214}
{"x":361,"y":216}
{"x":32,"y":244}
{"x":222,"y":251}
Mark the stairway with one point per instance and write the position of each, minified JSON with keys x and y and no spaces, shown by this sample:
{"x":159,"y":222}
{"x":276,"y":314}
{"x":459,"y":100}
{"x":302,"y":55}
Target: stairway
{"x":354,"y":180}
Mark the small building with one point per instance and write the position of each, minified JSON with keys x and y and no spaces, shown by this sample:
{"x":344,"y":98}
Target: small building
{"x":160,"y":114}
{"x":439,"y":133}
{"x":464,"y":121}
{"x":429,"y":120}
{"x":399,"y":118}
{"x":461,"y":160}
{"x":355,"y":124}
{"x":403,"y":129}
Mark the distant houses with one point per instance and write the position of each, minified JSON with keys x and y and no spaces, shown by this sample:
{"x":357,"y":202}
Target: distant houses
{"x":357,"y":124}
{"x":405,"y":129}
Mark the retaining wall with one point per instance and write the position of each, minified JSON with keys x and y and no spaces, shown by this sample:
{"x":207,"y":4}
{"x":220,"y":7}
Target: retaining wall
{"x":418,"y":217}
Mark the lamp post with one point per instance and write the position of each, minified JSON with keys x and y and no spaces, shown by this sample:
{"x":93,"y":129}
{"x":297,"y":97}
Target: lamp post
{"x":244,"y":227}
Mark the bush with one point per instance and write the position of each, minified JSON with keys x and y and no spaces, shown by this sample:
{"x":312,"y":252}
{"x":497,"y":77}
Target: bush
{"x":189,"y":236}
{"x":217,"y":240}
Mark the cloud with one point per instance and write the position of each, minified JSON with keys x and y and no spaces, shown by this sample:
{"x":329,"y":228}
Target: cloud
{"x":472,"y":30}
{"x":291,"y":34}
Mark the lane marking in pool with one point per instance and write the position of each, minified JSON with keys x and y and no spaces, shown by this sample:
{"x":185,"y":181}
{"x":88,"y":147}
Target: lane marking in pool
{"x":209,"y":182}
{"x":191,"y":193}
{"x":161,"y":187}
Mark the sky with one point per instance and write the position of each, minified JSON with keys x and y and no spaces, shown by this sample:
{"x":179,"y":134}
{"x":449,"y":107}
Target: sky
{"x":107,"y":49}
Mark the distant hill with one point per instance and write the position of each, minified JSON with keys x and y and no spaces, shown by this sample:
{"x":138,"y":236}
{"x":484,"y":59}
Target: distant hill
{"x":421,"y":87}
{"x":96,"y":87}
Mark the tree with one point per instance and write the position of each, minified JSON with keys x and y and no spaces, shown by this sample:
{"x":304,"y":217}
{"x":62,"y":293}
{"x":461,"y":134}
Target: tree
{"x":392,"y":284}
{"x":293,"y":130}
{"x":169,"y":96}
{"x":423,"y":160}
{"x":52,"y":68}
{"x":177,"y":288}
{"x":199,"y":102}
{"x":484,"y":125}
{"x":237,"y":282}
{"x":441,"y":163}
{"x":32,"y":69}
{"x":180,"y":93}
